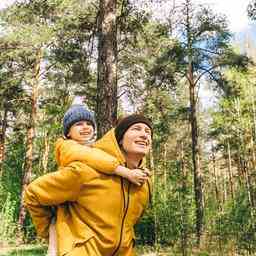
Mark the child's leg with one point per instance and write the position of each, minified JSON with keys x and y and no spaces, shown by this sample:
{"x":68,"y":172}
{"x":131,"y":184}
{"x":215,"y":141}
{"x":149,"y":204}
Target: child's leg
{"x":52,"y":249}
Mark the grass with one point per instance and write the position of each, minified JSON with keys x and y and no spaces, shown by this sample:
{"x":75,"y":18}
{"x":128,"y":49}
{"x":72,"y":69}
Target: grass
{"x":40,"y":250}
{"x":26,"y":250}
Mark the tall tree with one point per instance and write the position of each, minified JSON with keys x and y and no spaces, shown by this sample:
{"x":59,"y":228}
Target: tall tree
{"x":106,"y":109}
{"x":201,"y":50}
{"x":28,"y":53}
{"x":10,"y":92}
{"x":30,"y":133}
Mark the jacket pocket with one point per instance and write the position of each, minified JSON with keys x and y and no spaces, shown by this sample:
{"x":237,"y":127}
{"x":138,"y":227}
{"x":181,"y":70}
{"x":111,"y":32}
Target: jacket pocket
{"x":68,"y":237}
{"x":73,"y":244}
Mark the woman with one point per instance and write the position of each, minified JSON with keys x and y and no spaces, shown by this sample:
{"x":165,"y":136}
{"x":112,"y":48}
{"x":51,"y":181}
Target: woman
{"x":102,"y":209}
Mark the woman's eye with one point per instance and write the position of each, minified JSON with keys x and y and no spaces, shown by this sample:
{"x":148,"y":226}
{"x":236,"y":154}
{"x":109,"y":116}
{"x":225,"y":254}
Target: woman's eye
{"x":148,"y":132}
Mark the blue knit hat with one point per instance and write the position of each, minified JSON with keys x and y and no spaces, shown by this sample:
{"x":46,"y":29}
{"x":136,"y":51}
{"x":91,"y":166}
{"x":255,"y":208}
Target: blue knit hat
{"x":75,"y":114}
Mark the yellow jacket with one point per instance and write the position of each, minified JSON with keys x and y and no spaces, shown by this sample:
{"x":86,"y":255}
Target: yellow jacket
{"x":68,"y":151}
{"x":101,"y":207}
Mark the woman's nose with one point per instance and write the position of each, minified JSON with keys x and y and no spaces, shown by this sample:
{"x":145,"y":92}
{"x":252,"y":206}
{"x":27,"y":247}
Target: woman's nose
{"x":143,"y":134}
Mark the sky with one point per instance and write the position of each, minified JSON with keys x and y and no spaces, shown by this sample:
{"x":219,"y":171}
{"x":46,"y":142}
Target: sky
{"x":4,"y":3}
{"x":235,"y":10}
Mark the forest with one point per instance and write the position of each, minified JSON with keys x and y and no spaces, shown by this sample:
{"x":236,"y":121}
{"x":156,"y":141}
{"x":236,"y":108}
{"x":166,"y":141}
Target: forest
{"x":124,"y":56}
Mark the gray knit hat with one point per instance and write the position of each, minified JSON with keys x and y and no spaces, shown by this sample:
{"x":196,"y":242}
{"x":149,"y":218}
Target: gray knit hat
{"x":75,"y":114}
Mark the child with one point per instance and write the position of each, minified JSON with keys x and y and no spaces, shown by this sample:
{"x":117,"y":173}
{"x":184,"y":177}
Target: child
{"x":79,"y":133}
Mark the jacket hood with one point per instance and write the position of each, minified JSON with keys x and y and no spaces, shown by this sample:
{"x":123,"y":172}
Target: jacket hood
{"x":108,"y":143}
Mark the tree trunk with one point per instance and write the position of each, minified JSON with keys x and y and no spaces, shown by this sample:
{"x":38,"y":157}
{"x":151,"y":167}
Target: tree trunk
{"x":231,"y":184}
{"x":194,"y":129}
{"x":245,"y":160}
{"x":224,"y":188}
{"x":248,"y":185}
{"x":165,"y":171}
{"x":45,"y":156}
{"x":152,"y":168}
{"x":196,"y":159}
{"x":30,"y":138}
{"x":253,"y":109}
{"x":184,"y":215}
{"x":106,"y":109}
{"x":2,"y":139}
{"x":253,"y":159}
{"x":216,"y":179}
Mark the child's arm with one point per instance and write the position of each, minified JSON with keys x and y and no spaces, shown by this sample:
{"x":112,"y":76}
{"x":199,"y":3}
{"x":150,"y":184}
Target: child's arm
{"x":67,"y":151}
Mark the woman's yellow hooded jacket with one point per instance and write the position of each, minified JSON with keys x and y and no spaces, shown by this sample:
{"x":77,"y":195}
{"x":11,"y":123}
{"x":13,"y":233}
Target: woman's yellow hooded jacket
{"x":101,"y":208}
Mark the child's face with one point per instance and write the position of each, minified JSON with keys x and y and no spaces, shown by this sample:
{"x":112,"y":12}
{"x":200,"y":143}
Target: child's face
{"x":81,"y":132}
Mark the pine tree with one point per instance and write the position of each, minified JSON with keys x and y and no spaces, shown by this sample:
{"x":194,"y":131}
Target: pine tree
{"x":106,"y":109}
{"x":202,"y":49}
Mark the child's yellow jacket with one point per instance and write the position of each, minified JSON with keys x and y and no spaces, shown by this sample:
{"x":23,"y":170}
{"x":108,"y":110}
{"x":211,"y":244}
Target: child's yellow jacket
{"x":101,"y":210}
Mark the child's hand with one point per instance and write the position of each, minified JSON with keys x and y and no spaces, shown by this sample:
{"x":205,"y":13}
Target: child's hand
{"x":147,"y":172}
{"x":138,"y":176}
{"x":135,"y":176}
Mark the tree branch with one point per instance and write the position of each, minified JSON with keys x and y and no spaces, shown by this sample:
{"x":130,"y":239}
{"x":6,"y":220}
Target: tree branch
{"x":206,"y":71}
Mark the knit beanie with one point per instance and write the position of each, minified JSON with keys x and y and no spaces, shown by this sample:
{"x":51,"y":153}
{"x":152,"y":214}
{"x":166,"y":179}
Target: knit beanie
{"x":75,"y":114}
{"x":124,"y":124}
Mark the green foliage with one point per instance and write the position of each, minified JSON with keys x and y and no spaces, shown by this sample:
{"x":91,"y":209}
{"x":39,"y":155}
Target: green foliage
{"x":169,"y":219}
{"x":251,"y":9}
{"x":158,"y":107}
{"x":153,"y":60}
{"x":145,"y":229}
{"x":10,"y":188}
{"x":7,"y":218}
{"x":237,"y":224}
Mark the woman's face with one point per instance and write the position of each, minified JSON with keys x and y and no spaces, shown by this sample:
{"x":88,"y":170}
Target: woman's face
{"x":81,"y":132}
{"x":137,"y":139}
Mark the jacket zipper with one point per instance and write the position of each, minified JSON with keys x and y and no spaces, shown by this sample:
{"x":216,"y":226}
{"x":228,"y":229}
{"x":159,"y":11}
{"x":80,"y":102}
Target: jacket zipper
{"x":126,"y":207}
